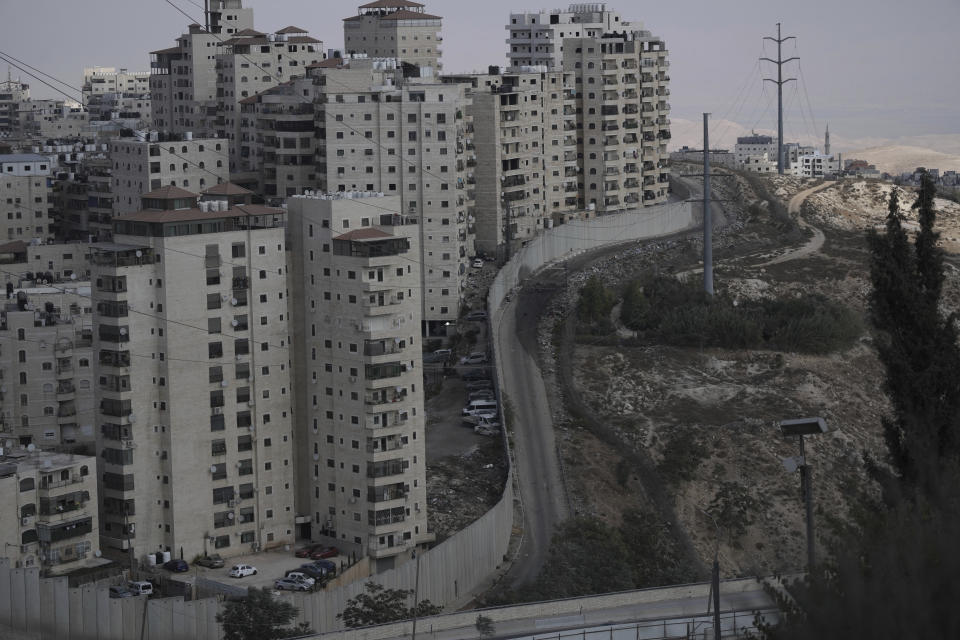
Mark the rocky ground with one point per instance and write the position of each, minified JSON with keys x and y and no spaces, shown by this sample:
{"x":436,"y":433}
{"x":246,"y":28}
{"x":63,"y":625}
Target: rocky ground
{"x":706,"y":416}
{"x":460,"y":489}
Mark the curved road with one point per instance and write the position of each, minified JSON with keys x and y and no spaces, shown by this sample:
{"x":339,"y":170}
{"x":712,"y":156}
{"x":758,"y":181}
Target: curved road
{"x":536,"y":464}
{"x":816,"y":242}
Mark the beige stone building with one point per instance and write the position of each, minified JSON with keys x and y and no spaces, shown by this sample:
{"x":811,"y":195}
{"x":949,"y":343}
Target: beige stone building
{"x":398,"y":29}
{"x":49,"y":506}
{"x":13,"y":94}
{"x":374,"y":130}
{"x":194,"y":393}
{"x":537,"y":38}
{"x":355,"y":275}
{"x":141,"y":166}
{"x":25,"y":197}
{"x":526,"y":169}
{"x":99,"y":81}
{"x":46,"y":367}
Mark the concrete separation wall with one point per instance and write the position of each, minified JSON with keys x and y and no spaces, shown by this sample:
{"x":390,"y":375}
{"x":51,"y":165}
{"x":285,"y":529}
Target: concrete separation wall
{"x":576,"y":236}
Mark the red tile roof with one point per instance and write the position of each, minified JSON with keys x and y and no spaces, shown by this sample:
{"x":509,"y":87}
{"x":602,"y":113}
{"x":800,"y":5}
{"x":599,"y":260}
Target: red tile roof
{"x":404,"y":14}
{"x":390,"y":4}
{"x":302,"y":40}
{"x":169,"y":192}
{"x":227,"y":189}
{"x":292,"y":29}
{"x":17,"y":246}
{"x":364,"y":234}
{"x":250,"y":32}
{"x":193,"y":215}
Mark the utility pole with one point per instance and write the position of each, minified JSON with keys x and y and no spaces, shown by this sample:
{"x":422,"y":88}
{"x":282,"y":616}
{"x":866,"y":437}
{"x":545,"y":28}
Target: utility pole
{"x":780,"y":82}
{"x":707,"y":217}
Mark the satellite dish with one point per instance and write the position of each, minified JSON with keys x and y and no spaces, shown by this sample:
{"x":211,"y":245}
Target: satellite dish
{"x":31,"y":448}
{"x":123,"y":331}
{"x":230,"y":516}
{"x":223,"y":383}
{"x":73,"y":276}
{"x":97,"y":553}
{"x":139,"y":253}
{"x":234,"y":323}
{"x":132,"y":418}
{"x":233,"y":301}
{"x":213,"y":468}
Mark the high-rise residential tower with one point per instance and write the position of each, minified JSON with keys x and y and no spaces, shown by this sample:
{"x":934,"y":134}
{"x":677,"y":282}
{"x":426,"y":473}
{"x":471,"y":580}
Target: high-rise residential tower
{"x":355,"y":289}
{"x":398,"y":29}
{"x":194,"y":388}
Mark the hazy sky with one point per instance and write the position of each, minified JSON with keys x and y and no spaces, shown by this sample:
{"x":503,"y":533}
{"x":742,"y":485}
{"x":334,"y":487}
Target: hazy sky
{"x":872,"y":68}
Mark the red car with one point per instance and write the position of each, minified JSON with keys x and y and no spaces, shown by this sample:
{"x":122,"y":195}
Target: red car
{"x":306,"y":552}
{"x":320,"y":553}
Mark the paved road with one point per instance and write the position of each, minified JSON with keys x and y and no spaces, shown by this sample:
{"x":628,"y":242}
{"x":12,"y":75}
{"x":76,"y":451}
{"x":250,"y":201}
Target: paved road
{"x":534,"y":447}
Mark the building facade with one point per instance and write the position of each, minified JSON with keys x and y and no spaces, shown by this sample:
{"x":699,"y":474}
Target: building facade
{"x":46,"y":367}
{"x":25,"y":197}
{"x":537,"y":38}
{"x":49,"y":502}
{"x":194,"y":395}
{"x":100,"y":81}
{"x":399,"y":29}
{"x":355,"y":276}
{"x":141,"y":166}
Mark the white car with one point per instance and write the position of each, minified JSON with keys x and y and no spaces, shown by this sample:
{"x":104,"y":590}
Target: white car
{"x":242,"y":571}
{"x":478,"y":263}
{"x":297,"y":576}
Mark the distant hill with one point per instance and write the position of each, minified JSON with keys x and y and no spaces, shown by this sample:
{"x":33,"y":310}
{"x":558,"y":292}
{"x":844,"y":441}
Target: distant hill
{"x":896,"y":159}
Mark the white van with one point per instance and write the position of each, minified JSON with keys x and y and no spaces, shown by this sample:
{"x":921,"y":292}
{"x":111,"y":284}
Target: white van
{"x":140,"y":587}
{"x":478,"y":407}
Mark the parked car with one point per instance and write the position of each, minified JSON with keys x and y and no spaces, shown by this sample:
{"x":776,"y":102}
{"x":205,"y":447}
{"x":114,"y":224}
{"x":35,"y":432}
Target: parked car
{"x":300,"y":576}
{"x":311,"y":571}
{"x":478,"y":407}
{"x":121,"y":592}
{"x":242,"y":570}
{"x":488,"y":419}
{"x":478,"y":263}
{"x":477,"y":315}
{"x":325,"y":567}
{"x":177,"y":566}
{"x":475,"y":374}
{"x":140,"y":587}
{"x":305,"y":552}
{"x":286,"y":584}
{"x":477,"y":357}
{"x":213,"y":561}
{"x":483,"y":430}
{"x":482,"y":394}
{"x":476,"y":385}
{"x":440,"y":355}
{"x":324,"y":552}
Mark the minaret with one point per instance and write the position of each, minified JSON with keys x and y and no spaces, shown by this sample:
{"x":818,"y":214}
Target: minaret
{"x":826,"y":142}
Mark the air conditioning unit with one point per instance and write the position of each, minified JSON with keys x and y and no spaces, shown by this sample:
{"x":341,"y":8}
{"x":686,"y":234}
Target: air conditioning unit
{"x":25,"y":522}
{"x":217,"y":411}
{"x":353,"y":378}
{"x":129,"y":444}
{"x":353,"y":500}
{"x":251,"y":404}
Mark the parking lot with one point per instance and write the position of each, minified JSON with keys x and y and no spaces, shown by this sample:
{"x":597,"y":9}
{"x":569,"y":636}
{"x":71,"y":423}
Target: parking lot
{"x":270,"y":565}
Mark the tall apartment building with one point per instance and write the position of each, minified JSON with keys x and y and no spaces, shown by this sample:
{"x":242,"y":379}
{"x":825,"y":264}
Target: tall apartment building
{"x":99,"y":81}
{"x":194,"y":389}
{"x":252,"y":62}
{"x":617,"y":82}
{"x":13,"y":94}
{"x":142,"y":166}
{"x":46,"y":370}
{"x":49,"y":506}
{"x":526,"y":162}
{"x":25,"y":182}
{"x":375,"y":130}
{"x":538,"y":38}
{"x":183,"y":78}
{"x":398,"y":29}
{"x":621,"y":96}
{"x":355,"y":298}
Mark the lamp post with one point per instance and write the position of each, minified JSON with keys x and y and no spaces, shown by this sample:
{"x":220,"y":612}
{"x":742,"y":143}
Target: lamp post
{"x":804,"y":427}
{"x":715,"y":578}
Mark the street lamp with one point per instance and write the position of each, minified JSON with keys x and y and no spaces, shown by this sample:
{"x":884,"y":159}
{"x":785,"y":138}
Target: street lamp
{"x":804,"y":427}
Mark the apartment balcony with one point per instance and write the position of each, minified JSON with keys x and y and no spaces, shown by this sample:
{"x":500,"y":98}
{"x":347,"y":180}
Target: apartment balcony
{"x":631,"y":198}
{"x":630,"y":124}
{"x":611,"y":201}
{"x":611,"y":141}
{"x":611,"y":171}
{"x":611,"y":186}
{"x":631,"y":168}
{"x":631,"y":183}
{"x":610,"y":126}
{"x":630,"y":138}
{"x":631,"y":108}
